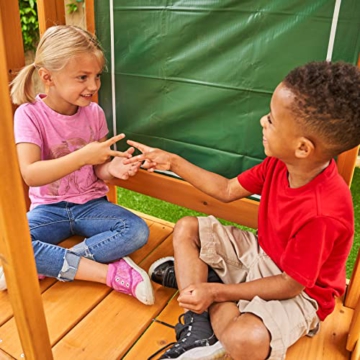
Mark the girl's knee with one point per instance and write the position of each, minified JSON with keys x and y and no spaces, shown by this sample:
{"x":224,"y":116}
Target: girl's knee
{"x":142,"y":231}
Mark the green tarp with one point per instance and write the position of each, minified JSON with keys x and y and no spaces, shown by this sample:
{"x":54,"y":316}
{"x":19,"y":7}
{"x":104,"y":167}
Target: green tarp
{"x":195,"y":76}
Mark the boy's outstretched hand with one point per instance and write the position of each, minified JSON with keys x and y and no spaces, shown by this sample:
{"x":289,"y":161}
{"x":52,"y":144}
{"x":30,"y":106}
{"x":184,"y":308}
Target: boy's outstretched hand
{"x":122,"y":171}
{"x":153,"y":158}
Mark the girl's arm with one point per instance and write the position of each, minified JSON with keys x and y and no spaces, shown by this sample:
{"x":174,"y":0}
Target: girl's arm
{"x":37,"y":172}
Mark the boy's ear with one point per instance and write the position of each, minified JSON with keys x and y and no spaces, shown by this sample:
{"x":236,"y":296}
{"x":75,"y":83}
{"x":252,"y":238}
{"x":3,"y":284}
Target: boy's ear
{"x":305,"y":148}
{"x":45,"y":76}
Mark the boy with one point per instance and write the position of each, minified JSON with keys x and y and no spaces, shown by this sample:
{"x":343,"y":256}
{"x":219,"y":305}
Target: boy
{"x":279,"y":284}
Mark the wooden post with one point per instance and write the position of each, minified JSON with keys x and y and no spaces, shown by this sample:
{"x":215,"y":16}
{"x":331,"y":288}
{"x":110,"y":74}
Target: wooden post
{"x":15,"y":243}
{"x":50,"y":13}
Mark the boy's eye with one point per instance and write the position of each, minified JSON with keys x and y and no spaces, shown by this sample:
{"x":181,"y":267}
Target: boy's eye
{"x":269,"y":120}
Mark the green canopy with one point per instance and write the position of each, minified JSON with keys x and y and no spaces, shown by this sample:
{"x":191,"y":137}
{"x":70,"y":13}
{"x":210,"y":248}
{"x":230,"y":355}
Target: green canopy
{"x":194,"y":77}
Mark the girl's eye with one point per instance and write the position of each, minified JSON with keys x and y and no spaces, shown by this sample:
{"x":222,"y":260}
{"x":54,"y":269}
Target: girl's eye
{"x":82,"y":77}
{"x":269,"y":120}
{"x":98,"y":76}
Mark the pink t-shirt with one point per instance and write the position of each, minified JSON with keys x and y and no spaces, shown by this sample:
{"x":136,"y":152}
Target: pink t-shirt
{"x":58,"y":135}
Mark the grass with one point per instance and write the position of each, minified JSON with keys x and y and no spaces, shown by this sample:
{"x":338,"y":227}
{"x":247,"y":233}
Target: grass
{"x":170,"y":212}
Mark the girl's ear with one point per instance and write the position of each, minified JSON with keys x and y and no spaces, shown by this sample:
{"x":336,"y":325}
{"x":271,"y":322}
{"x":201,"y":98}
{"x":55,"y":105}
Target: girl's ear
{"x":45,"y":76}
{"x":305,"y":148}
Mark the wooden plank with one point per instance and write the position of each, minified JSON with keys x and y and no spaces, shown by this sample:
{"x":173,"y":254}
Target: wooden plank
{"x":15,"y":244}
{"x":157,"y":335}
{"x":61,"y":302}
{"x":119,"y":322}
{"x":65,"y":305}
{"x":5,"y":306}
{"x":5,"y":356}
{"x":243,"y":212}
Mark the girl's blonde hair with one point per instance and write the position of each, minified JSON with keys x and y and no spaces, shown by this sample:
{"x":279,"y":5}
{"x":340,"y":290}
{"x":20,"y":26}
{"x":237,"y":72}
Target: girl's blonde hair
{"x":57,"y":45}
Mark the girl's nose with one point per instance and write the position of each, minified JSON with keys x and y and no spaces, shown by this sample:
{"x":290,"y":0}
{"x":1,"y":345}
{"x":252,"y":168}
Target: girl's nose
{"x":93,"y":84}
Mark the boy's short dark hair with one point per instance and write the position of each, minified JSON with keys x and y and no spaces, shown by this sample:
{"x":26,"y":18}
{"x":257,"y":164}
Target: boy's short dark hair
{"x":327,"y":102}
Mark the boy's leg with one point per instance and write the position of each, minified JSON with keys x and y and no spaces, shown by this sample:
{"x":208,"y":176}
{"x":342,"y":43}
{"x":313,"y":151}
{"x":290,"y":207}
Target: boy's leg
{"x":189,"y":269}
{"x":111,"y":231}
{"x":242,"y":336}
{"x":193,"y":332}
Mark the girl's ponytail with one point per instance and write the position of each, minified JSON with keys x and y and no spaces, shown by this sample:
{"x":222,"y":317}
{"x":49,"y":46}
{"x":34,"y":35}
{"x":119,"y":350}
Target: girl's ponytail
{"x":22,"y":87}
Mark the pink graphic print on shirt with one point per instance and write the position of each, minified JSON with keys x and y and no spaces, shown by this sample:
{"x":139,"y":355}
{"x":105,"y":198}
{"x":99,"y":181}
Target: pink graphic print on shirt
{"x":79,"y":180}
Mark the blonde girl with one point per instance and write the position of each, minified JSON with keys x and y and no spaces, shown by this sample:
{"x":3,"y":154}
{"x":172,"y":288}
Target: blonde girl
{"x":64,"y":158}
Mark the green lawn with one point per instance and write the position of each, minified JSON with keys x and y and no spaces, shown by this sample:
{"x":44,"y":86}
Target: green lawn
{"x":172,"y":213}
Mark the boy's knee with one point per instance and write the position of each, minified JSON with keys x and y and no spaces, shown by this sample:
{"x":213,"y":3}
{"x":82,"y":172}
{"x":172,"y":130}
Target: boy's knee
{"x":186,"y":228}
{"x":239,"y":340}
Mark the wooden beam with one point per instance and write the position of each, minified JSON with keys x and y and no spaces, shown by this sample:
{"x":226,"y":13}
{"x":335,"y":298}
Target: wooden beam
{"x":346,"y":164}
{"x":50,"y":13}
{"x":90,"y":16}
{"x":176,"y":191}
{"x":15,"y":244}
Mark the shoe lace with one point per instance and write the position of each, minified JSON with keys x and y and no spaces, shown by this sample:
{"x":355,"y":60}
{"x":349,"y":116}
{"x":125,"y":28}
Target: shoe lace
{"x":178,"y":329}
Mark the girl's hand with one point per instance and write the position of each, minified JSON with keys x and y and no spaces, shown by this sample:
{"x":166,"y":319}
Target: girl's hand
{"x":122,"y":171}
{"x":96,"y":152}
{"x":153,"y":158}
{"x":197,"y":297}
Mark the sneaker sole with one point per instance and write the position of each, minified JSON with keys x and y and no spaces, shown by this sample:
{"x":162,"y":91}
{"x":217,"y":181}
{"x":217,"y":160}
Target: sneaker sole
{"x":213,"y":352}
{"x":150,"y":300}
{"x":159,"y":262}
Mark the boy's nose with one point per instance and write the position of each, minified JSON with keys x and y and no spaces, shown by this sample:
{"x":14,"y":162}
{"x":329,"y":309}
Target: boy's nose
{"x":263,"y":121}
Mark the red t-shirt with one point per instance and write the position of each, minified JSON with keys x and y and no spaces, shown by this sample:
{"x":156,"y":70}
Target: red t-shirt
{"x":308,"y":231}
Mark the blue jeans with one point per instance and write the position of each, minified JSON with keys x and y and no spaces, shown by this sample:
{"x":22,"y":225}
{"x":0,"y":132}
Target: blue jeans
{"x":111,"y":232}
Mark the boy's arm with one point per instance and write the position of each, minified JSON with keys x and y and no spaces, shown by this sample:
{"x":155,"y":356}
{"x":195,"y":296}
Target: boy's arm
{"x":37,"y":172}
{"x":215,"y":185}
{"x":277,"y":287}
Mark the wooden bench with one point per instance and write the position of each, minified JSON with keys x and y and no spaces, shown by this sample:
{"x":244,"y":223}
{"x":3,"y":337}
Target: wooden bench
{"x":82,"y":320}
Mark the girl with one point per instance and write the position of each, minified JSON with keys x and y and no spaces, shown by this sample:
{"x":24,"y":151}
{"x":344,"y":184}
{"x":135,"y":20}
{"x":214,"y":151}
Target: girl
{"x":64,"y":158}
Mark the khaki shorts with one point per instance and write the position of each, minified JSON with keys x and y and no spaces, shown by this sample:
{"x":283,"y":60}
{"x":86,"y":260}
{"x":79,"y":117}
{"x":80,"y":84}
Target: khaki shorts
{"x":236,"y":257}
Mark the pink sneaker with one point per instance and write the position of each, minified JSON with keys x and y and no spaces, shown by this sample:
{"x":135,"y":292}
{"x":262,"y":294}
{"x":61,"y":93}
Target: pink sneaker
{"x":41,"y":277}
{"x":128,"y":278}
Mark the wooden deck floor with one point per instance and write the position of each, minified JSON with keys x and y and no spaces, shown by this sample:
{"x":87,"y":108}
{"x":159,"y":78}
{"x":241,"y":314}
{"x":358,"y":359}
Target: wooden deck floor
{"x":90,"y":321}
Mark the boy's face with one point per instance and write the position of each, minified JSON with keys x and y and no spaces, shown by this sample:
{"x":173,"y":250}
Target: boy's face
{"x":280,"y":130}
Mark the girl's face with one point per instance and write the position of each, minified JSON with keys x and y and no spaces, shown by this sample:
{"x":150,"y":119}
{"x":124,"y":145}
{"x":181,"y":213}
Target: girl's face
{"x":74,"y":85}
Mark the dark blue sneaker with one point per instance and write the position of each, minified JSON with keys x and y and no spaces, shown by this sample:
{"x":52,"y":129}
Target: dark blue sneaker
{"x":195,"y":339}
{"x":162,"y":272}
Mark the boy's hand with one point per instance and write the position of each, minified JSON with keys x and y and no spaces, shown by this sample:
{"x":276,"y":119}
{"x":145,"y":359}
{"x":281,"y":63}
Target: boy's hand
{"x":197,"y":297}
{"x":122,"y":171}
{"x":97,"y":152}
{"x":154,"y":158}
